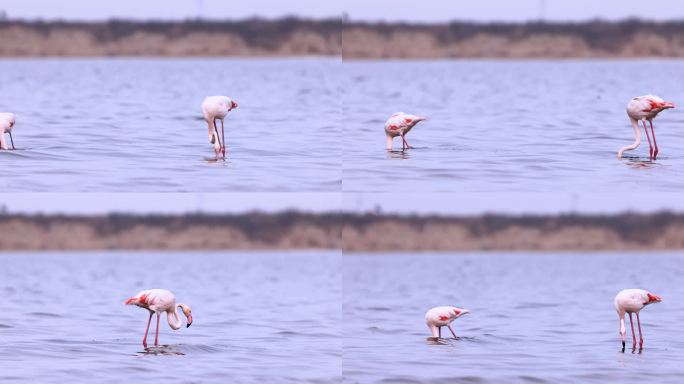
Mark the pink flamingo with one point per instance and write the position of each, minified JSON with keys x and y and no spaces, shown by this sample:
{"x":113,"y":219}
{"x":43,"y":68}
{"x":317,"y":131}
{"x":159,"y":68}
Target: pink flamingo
{"x":632,"y":301}
{"x":644,"y":108}
{"x":157,"y":301}
{"x":217,"y":107}
{"x":439,"y":317}
{"x":7,"y":121}
{"x":399,"y":124}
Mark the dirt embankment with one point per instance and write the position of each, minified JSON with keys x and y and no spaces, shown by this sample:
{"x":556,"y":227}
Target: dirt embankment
{"x":351,"y":233}
{"x":287,"y":230}
{"x":493,"y":232}
{"x":595,"y":39}
{"x":254,"y":37}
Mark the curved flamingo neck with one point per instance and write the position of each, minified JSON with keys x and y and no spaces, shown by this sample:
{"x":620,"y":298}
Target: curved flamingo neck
{"x":173,"y":318}
{"x":637,"y":139}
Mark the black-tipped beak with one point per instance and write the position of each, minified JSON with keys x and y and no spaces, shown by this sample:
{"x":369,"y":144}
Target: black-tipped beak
{"x":188,"y":326}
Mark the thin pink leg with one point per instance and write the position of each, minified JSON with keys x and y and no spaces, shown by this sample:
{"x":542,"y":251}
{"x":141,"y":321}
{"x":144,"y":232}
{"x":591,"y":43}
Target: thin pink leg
{"x":633,"y":335}
{"x":156,"y":333}
{"x":223,"y":140}
{"x":405,"y":144}
{"x":650,"y":147}
{"x":452,"y":331}
{"x":655,"y":154}
{"x":641,"y":339}
{"x":146,"y":330}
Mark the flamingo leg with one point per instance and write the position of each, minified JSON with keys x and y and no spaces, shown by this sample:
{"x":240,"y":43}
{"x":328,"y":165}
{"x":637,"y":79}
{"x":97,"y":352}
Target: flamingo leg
{"x":650,"y":147}
{"x":655,"y":154}
{"x":149,"y":320}
{"x":405,"y":144}
{"x":217,"y":137}
{"x":156,"y":333}
{"x":439,"y":332}
{"x":631,"y":324}
{"x":452,"y":331}
{"x":223,"y":140}
{"x":12,"y":140}
{"x":641,"y":339}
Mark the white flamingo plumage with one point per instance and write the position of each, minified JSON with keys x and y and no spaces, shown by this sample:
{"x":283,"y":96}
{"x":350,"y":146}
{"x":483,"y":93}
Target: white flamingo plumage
{"x":399,"y":124}
{"x":7,"y":121}
{"x":644,"y":108}
{"x":213,"y":108}
{"x":158,"y":301}
{"x":439,"y":317}
{"x":633,"y":301}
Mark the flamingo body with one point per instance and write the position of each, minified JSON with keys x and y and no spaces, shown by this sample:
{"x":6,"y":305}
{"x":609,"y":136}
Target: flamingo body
{"x":633,"y":301}
{"x":158,"y":301}
{"x":644,"y":108}
{"x":213,"y":108}
{"x":439,"y":317}
{"x":399,"y":124}
{"x":7,"y":121}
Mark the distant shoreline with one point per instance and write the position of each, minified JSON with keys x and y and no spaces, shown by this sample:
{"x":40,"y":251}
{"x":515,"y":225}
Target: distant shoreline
{"x":350,"y":233}
{"x":550,"y":40}
{"x":191,"y":38}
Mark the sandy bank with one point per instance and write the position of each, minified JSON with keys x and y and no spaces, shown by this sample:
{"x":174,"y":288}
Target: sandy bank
{"x":255,"y":37}
{"x":595,"y":39}
{"x":352,"y":233}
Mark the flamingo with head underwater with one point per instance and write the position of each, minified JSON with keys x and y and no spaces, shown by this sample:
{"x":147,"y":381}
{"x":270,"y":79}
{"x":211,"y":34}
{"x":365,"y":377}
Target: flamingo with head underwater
{"x":158,"y":301}
{"x":217,"y":108}
{"x":399,"y":124}
{"x":644,"y":108}
{"x":439,"y":317}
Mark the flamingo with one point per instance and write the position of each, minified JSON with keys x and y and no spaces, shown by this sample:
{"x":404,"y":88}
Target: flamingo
{"x":439,"y":317}
{"x":7,"y":121}
{"x":157,"y":301}
{"x":644,"y":108}
{"x":217,"y":107}
{"x":399,"y":124}
{"x":632,"y":301}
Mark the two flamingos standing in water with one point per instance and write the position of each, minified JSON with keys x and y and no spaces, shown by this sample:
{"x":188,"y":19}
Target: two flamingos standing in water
{"x":644,"y":108}
{"x":158,"y":301}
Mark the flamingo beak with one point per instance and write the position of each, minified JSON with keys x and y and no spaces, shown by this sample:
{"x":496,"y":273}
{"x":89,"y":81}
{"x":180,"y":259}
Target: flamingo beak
{"x":654,"y":298}
{"x":189,"y":321}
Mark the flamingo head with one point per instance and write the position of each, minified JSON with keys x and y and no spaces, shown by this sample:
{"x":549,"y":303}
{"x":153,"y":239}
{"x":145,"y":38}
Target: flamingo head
{"x":187,"y":312}
{"x":458,"y":312}
{"x":233,"y":105}
{"x":653,"y":298}
{"x":13,"y":120}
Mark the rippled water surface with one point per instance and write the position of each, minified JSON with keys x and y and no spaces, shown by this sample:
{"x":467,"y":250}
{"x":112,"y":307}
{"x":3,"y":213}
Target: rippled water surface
{"x":258,"y":318}
{"x":536,"y":318}
{"x":510,"y":125}
{"x":136,"y":125}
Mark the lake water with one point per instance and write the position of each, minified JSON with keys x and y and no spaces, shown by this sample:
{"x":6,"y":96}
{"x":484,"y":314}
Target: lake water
{"x":535,"y":318}
{"x":258,"y":317}
{"x":136,"y":125}
{"x":510,"y":126}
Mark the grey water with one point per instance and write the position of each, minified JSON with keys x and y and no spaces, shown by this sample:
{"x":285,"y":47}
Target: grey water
{"x":257,"y":317}
{"x":510,"y":125}
{"x":114,"y":125}
{"x":535,"y":318}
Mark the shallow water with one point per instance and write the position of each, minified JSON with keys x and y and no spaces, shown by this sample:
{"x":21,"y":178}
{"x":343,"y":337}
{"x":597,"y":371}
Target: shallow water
{"x":136,"y":125}
{"x":258,"y":317}
{"x":542,"y":318}
{"x":510,"y":125}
